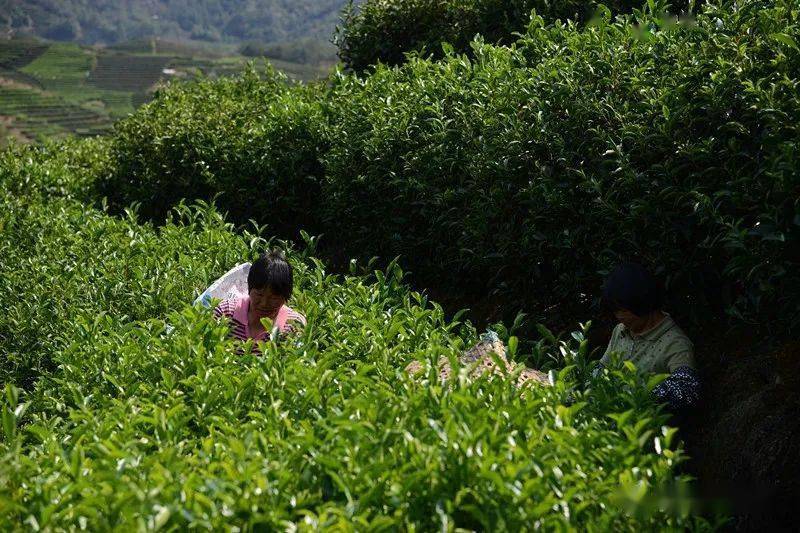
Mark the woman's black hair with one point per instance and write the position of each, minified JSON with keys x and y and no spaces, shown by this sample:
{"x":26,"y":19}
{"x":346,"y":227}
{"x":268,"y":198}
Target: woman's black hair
{"x":632,"y":287}
{"x":271,"y":270}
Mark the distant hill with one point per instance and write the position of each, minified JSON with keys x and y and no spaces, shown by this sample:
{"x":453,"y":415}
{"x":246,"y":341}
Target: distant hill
{"x":115,"y":21}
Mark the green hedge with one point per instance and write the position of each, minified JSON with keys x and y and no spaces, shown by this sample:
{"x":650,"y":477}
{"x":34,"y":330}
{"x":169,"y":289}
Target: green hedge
{"x":61,"y":263}
{"x":69,"y":168}
{"x":381,"y":31}
{"x":256,"y":141}
{"x":132,"y":426}
{"x":535,"y":168}
{"x":526,"y":172}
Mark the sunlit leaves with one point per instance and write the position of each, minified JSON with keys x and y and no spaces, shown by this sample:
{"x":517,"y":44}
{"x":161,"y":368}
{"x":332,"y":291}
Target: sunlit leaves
{"x":518,"y":174}
{"x":126,"y":423}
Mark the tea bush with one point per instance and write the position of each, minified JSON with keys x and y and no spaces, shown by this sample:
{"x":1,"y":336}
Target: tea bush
{"x":536,"y":167}
{"x":131,"y":425}
{"x":383,"y":32}
{"x":60,"y":262}
{"x":380,"y":31}
{"x":67,"y":168}
{"x":255,"y":142}
{"x":526,"y":172}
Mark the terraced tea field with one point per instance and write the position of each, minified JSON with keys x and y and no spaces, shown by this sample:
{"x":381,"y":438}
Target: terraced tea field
{"x":37,"y":114}
{"x":64,"y":70}
{"x":62,"y":89}
{"x":128,"y":73}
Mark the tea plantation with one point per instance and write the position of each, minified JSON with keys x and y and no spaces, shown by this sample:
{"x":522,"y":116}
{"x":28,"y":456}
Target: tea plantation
{"x":386,"y":30}
{"x":53,"y":90}
{"x":110,"y":421}
{"x":510,"y":170}
{"x":525,"y":173}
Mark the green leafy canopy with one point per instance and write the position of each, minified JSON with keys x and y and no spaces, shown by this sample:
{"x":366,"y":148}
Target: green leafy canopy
{"x":110,"y":421}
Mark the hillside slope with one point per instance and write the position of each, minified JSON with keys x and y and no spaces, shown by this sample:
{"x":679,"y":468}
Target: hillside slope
{"x":53,"y":90}
{"x":106,"y":21}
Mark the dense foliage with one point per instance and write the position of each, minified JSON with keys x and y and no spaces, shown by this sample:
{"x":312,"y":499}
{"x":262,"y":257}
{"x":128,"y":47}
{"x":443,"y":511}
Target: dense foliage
{"x":527,"y":171}
{"x":129,"y":424}
{"x":260,"y":149}
{"x":384,"y":31}
{"x":114,"y":21}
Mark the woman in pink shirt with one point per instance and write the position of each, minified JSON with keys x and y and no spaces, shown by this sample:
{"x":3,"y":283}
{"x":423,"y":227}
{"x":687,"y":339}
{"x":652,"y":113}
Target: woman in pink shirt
{"x":269,"y":285}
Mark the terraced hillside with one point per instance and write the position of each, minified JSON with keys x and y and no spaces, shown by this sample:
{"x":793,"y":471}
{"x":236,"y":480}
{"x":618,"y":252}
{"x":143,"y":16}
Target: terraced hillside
{"x":128,"y":73}
{"x":37,"y":114}
{"x":16,"y":54}
{"x":65,"y":70}
{"x":61,"y":89}
{"x":44,"y":93}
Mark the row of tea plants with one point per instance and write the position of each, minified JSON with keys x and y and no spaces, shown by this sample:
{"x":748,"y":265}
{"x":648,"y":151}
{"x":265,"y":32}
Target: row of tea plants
{"x":113,"y":420}
{"x":523,"y":172}
{"x":381,"y":31}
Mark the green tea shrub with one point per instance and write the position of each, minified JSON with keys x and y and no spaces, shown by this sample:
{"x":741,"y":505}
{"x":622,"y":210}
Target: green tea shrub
{"x":381,"y":31}
{"x":63,"y":261}
{"x":524,"y":172}
{"x":68,"y":168}
{"x":528,"y":171}
{"x":132,"y":426}
{"x":253,"y":142}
